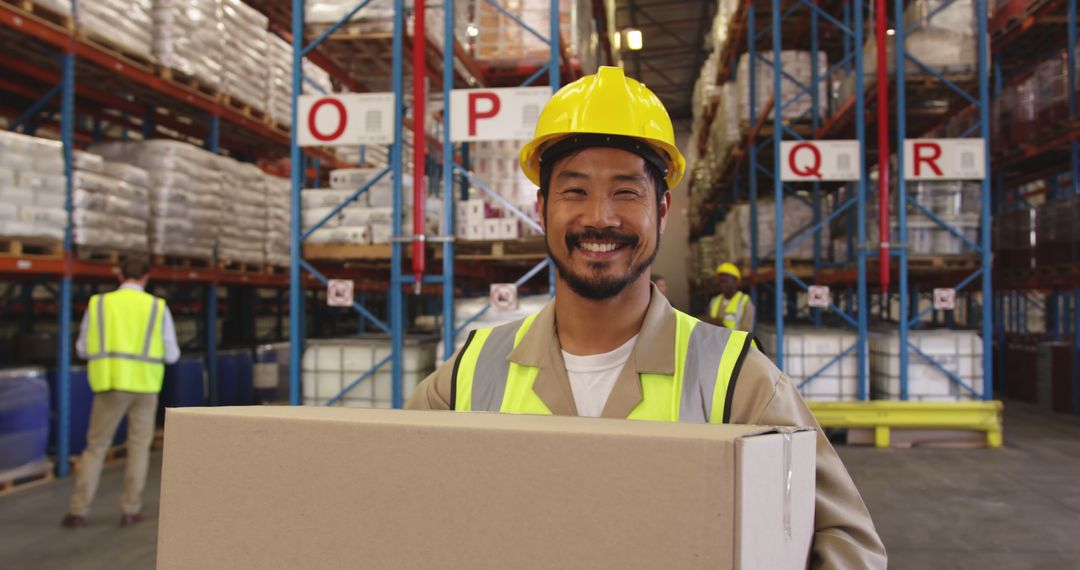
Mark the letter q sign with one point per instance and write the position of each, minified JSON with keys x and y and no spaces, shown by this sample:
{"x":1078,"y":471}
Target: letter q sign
{"x":345,"y":119}
{"x":820,"y":161}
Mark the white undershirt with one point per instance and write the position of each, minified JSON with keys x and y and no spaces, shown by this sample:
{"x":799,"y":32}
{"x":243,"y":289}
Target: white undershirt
{"x":593,"y":377}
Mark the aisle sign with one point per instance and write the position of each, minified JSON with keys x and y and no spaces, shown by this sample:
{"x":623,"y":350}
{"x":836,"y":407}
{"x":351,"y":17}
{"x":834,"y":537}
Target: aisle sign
{"x":345,"y":119}
{"x":820,"y":161}
{"x":504,"y":296}
{"x":339,"y":292}
{"x":944,"y":299}
{"x":818,"y":296}
{"x":944,"y":159}
{"x":496,"y":114}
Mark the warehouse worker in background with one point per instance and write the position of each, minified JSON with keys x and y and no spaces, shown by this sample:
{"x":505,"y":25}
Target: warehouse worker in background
{"x":609,"y":345}
{"x":127,"y":337}
{"x":731,"y":308}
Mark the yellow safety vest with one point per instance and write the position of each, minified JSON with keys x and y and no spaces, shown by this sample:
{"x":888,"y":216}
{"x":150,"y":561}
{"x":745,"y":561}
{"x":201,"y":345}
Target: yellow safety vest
{"x":125,"y":342}
{"x":732,"y":311}
{"x":707,"y":361}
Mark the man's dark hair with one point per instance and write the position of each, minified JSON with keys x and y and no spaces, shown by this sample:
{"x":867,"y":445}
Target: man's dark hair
{"x":134,"y":269}
{"x":547,"y":170}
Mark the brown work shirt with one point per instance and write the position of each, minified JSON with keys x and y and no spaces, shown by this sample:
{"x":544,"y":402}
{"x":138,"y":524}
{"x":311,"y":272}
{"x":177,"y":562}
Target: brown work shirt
{"x":844,"y":535}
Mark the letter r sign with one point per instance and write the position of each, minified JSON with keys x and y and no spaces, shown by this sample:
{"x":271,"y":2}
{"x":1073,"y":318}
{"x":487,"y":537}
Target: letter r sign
{"x":944,"y":159}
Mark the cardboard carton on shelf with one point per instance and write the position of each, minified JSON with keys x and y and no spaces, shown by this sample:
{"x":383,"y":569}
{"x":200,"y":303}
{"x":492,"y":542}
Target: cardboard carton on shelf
{"x":314,"y":487}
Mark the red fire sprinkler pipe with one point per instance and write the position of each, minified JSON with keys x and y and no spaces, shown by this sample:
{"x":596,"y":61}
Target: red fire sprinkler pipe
{"x":419,"y":54}
{"x":881,"y":27}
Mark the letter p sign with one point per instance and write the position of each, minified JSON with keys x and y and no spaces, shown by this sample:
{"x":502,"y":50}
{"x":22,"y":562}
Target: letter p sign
{"x":475,"y":113}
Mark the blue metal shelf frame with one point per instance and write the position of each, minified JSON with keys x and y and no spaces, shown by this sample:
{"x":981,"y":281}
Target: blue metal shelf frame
{"x":450,"y":167}
{"x":852,"y":196}
{"x":396,"y":327}
{"x":983,"y":274}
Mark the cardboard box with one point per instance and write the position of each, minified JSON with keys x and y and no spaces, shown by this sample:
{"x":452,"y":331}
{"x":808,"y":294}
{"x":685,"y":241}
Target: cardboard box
{"x":307,"y":487}
{"x":470,"y":230}
{"x":492,"y":229}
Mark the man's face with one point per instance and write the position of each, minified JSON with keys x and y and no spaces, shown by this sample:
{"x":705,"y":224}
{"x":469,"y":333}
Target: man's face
{"x":601,"y":220}
{"x":728,"y":284}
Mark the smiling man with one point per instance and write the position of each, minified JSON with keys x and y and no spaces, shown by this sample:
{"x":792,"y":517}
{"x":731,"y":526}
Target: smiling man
{"x":610,"y":345}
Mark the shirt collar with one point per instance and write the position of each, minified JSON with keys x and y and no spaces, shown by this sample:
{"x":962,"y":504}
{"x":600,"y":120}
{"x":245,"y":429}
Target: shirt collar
{"x":654,"y":351}
{"x":132,"y":287}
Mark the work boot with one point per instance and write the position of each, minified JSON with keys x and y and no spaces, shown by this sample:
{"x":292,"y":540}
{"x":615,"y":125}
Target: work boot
{"x":127,"y":520}
{"x":73,"y":521}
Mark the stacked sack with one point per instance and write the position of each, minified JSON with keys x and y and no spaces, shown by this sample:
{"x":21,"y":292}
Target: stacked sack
{"x":32,"y":187}
{"x":110,"y":204}
{"x":278,"y":100}
{"x":124,"y":23}
{"x":188,"y":38}
{"x":185,"y":194}
{"x":244,"y":72}
{"x":243,"y":235}
{"x":278,"y":206}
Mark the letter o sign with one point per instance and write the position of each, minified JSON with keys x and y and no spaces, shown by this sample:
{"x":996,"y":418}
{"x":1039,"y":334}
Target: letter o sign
{"x":342,"y":119}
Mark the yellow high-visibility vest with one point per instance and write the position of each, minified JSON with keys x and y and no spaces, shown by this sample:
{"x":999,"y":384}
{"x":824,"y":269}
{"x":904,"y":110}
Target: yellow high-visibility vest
{"x":707,"y":359}
{"x":125,"y":342}
{"x":732,"y":311}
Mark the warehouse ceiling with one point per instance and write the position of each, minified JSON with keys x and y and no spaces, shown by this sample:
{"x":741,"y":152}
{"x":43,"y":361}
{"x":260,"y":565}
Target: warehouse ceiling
{"x":673,"y":48}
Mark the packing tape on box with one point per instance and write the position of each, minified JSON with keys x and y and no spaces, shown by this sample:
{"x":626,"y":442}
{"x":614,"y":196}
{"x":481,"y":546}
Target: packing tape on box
{"x":786,"y":432}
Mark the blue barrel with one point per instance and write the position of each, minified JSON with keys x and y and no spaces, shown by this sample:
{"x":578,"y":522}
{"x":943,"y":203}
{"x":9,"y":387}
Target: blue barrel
{"x":184,"y":383}
{"x":270,"y":361}
{"x":24,"y":416}
{"x":82,"y":399}
{"x":235,"y":378}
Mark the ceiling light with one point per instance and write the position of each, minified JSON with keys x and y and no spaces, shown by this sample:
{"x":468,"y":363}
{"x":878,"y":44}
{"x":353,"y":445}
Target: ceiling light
{"x":472,"y":30}
{"x":890,"y":32}
{"x":616,"y":41}
{"x":633,"y":39}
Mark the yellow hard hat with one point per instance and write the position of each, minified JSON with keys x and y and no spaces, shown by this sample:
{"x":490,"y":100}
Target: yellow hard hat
{"x":605,"y":103}
{"x":731,"y":269}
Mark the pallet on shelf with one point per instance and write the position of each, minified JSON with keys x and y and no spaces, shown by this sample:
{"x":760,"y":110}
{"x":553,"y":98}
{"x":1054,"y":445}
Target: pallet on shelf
{"x":271,"y":269}
{"x":346,"y":251}
{"x":182,"y":261}
{"x":20,"y":481}
{"x":523,"y":249}
{"x":106,"y":43}
{"x":45,"y":13}
{"x":190,"y":81}
{"x":241,"y":267}
{"x":31,"y":247}
{"x":937,"y":262}
{"x":106,"y":255}
{"x":247,"y":109}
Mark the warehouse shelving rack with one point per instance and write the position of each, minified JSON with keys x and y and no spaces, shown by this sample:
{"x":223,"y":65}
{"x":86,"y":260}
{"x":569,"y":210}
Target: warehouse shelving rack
{"x":1022,"y":32}
{"x":774,"y":24}
{"x":452,"y":170}
{"x":85,"y":90}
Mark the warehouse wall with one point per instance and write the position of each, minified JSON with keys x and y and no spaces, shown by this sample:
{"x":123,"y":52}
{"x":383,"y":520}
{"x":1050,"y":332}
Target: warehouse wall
{"x":672,"y":262}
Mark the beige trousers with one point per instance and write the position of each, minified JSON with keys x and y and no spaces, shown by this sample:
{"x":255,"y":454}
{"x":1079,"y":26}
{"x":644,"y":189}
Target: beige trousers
{"x":108,"y":409}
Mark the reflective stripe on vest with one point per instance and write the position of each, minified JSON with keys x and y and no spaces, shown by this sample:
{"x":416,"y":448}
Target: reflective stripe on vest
{"x":707,"y":361}
{"x":129,"y":353}
{"x":733,"y":311}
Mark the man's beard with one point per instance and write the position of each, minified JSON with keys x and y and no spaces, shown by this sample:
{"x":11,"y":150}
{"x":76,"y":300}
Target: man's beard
{"x":597,"y":287}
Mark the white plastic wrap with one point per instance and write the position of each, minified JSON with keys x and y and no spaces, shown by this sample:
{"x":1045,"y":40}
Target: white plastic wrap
{"x":189,"y":38}
{"x":796,"y":101}
{"x":123,"y":23}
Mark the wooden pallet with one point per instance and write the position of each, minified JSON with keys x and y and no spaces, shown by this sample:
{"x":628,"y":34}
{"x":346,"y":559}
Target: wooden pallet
{"x":45,"y":13}
{"x":241,"y":267}
{"x":270,"y":269}
{"x":938,"y":262}
{"x":108,"y":44}
{"x":26,"y":482}
{"x":346,"y":252}
{"x":524,"y":249}
{"x":195,"y":83}
{"x":106,"y":255}
{"x":181,"y":261}
{"x":31,"y":247}
{"x":248,"y":110}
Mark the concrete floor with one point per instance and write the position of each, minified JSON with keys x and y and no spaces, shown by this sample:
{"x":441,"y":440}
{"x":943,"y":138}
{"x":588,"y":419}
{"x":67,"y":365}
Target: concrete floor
{"x":1018,"y":507}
